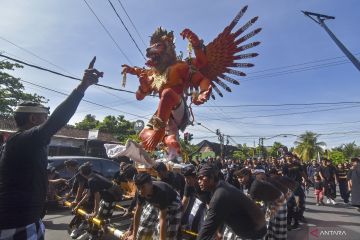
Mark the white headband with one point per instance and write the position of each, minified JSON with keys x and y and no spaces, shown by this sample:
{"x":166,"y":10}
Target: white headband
{"x":256,"y":171}
{"x":32,"y":109}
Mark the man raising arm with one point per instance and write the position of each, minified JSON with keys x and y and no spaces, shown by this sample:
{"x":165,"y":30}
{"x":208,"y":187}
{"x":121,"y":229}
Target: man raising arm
{"x":24,"y":156}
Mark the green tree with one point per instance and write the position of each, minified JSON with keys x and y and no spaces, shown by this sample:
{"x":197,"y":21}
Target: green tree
{"x":350,"y":150}
{"x":337,"y":157}
{"x":262,"y":151}
{"x":89,"y":122}
{"x":121,"y":128}
{"x":243,"y":152}
{"x":109,"y":124}
{"x":307,"y":146}
{"x":188,"y":150}
{"x":273,"y":152}
{"x":12,"y":91}
{"x":239,"y":155}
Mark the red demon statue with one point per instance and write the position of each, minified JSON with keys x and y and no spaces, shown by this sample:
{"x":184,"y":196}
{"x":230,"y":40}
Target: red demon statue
{"x":173,"y":79}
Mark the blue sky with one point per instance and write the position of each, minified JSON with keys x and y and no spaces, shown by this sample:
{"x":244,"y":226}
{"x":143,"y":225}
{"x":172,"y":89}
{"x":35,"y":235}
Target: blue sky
{"x":68,"y":35}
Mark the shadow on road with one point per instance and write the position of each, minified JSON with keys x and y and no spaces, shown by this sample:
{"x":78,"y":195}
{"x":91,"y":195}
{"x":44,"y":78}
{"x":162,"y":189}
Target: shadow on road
{"x":329,"y":212}
{"x":59,"y":226}
{"x":326,"y":223}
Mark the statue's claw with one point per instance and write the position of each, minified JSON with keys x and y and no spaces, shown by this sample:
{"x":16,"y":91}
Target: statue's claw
{"x":192,"y":37}
{"x":152,"y":138}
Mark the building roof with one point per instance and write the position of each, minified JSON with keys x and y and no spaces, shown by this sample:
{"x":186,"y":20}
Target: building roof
{"x":8,"y":125}
{"x":215,"y":147}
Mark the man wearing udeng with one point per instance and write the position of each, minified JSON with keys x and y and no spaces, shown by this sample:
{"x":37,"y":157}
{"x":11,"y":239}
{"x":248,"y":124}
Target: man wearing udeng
{"x":23,"y":162}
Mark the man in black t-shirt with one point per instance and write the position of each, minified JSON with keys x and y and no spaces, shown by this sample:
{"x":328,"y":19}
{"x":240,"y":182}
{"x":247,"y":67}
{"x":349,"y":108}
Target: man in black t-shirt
{"x":177,"y":181}
{"x":24,"y":156}
{"x":78,"y":183}
{"x":194,"y":200}
{"x":163,"y":197}
{"x":293,"y":170}
{"x":192,"y":188}
{"x":328,"y":175}
{"x":104,"y":192}
{"x":354,"y":182}
{"x":245,"y":179}
{"x":79,"y":187}
{"x":230,"y":207}
{"x":343,"y":182}
{"x":296,"y":172}
{"x":126,"y":176}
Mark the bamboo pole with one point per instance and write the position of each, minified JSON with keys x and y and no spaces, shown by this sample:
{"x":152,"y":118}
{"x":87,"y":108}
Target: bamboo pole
{"x":99,"y":223}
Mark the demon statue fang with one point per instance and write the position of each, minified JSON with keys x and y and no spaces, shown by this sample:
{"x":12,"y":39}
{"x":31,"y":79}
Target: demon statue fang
{"x":174,"y":80}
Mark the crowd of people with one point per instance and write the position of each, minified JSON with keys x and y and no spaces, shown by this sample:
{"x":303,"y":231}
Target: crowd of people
{"x":229,"y":199}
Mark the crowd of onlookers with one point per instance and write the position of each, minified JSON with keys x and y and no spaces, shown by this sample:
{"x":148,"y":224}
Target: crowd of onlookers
{"x":208,"y":197}
{"x":323,"y":177}
{"x":320,"y":175}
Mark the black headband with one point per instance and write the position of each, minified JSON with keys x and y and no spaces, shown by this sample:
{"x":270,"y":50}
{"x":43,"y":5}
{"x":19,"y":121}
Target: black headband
{"x":207,"y":170}
{"x":142,"y":178}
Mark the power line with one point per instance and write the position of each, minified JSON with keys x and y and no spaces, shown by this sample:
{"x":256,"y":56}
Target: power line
{"x":338,"y":133}
{"x":299,"y":124}
{"x":206,"y":116}
{"x":283,"y":104}
{"x":196,"y":130}
{"x":107,"y":92}
{"x":118,"y":103}
{"x":284,"y":114}
{"x":51,"y":63}
{"x":257,"y":77}
{"x":108,"y":33}
{"x":224,"y":119}
{"x":325,"y":135}
{"x":97,"y":104}
{"x":208,"y":129}
{"x":229,"y":112}
{"x":142,"y":40}
{"x":232,"y":140}
{"x":300,"y":64}
{"x":127,"y":30}
{"x":205,"y":137}
{"x":296,"y":70}
{"x":16,"y":56}
{"x":296,"y":135}
{"x":63,"y":75}
{"x":200,"y":124}
{"x":33,"y":54}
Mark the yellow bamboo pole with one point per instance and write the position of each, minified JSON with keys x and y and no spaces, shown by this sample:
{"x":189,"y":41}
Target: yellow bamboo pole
{"x":190,"y":233}
{"x":98,"y":222}
{"x":111,"y":230}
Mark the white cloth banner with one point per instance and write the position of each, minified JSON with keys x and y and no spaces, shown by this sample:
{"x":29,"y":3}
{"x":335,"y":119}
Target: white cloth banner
{"x":132,"y":150}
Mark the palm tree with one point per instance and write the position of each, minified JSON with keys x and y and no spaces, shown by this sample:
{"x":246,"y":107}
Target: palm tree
{"x":307,"y":146}
{"x":350,"y":150}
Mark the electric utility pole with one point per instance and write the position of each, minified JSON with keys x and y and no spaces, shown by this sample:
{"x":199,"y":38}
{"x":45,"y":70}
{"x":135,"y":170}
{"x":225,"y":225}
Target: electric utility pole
{"x":221,"y":139}
{"x":261,"y":146}
{"x":320,"y":19}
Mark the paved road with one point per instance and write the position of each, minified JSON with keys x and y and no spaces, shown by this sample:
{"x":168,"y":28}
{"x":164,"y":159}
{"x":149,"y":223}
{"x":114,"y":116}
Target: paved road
{"x":56,"y":224}
{"x":334,"y":217}
{"x":337,"y":217}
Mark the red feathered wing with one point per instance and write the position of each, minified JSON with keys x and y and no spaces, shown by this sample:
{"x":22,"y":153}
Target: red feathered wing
{"x":223,"y":52}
